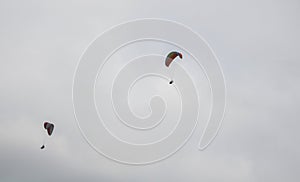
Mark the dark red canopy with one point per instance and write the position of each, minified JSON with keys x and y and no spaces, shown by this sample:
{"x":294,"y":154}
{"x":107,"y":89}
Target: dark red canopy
{"x":49,"y":127}
{"x":171,"y":56}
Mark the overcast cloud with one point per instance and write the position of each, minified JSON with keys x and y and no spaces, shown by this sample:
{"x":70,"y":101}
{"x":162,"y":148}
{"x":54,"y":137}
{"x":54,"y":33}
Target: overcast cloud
{"x":257,"y":43}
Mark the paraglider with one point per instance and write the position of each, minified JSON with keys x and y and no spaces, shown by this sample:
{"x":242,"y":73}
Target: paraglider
{"x":49,"y":127}
{"x":170,"y":58}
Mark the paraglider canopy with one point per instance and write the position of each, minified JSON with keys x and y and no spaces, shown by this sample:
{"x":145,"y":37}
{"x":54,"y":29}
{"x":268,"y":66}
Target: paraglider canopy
{"x":171,"y":56}
{"x":49,"y":127}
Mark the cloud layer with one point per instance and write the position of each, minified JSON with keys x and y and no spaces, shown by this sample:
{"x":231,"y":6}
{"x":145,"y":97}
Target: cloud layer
{"x":257,"y":43}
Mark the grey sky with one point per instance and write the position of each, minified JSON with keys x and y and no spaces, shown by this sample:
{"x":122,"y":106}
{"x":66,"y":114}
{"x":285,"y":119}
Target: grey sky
{"x":257,"y":43}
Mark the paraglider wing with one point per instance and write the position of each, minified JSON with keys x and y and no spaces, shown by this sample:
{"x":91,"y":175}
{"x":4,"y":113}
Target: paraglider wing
{"x":49,"y":127}
{"x":171,"y":56}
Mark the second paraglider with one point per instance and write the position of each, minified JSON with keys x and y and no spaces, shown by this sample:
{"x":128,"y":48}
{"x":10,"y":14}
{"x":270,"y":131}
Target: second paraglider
{"x":49,"y":127}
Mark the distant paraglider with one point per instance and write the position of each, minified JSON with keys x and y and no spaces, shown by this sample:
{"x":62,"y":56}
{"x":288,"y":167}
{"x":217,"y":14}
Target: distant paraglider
{"x":49,"y":127}
{"x":170,"y":58}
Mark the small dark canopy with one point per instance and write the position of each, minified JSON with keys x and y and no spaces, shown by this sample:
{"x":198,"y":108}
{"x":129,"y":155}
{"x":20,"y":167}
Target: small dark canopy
{"x":171,"y":57}
{"x":49,"y":127}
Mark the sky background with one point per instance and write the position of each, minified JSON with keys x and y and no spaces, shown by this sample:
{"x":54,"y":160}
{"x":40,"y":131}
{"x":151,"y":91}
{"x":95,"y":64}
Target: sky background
{"x":257,"y":43}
